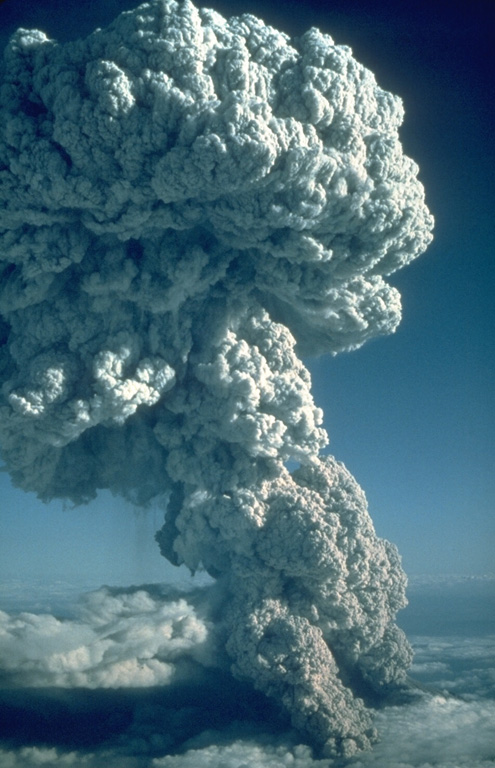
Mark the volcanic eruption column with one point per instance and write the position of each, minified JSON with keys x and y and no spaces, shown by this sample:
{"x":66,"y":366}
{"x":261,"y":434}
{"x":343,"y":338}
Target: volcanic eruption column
{"x":185,"y":201}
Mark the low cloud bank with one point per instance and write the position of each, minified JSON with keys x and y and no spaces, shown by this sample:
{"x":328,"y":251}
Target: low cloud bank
{"x":436,"y":733}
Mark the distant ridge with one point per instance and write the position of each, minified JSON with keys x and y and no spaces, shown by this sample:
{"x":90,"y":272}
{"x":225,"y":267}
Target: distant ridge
{"x":437,"y":580}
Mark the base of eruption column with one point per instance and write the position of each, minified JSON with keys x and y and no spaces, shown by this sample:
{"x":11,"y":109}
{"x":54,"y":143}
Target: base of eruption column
{"x":310,"y":596}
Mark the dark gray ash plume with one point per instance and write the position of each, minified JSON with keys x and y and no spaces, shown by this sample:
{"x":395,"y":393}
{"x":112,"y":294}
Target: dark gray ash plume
{"x":186,"y":203}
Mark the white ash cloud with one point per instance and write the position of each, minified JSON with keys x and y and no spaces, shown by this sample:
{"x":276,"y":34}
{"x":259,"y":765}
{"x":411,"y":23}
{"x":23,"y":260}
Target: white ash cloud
{"x":187,"y":203}
{"x":122,"y":639}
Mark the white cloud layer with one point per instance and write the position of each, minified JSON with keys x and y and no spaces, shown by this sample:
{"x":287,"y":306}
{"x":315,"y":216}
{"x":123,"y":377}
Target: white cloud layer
{"x":123,"y":640}
{"x":436,"y":733}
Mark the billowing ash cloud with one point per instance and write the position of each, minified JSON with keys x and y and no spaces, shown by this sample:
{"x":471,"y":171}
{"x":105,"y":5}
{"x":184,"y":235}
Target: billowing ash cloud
{"x":185,"y":202}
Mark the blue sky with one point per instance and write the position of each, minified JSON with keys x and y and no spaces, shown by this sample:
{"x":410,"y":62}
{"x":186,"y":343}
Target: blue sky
{"x":412,"y":416}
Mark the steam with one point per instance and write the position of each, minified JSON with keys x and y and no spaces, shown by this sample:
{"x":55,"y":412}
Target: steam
{"x":186,"y":201}
{"x":130,"y":639}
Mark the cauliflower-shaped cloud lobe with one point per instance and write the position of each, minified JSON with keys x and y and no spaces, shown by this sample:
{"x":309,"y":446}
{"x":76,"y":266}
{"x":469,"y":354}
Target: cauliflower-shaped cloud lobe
{"x":186,"y":203}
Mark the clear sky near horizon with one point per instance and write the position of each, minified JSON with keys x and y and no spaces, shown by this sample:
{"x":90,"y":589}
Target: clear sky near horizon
{"x":412,"y":415}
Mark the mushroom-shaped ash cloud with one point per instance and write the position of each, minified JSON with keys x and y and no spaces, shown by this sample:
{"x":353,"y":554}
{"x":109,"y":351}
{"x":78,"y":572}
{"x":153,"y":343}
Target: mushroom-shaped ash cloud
{"x":186,"y":201}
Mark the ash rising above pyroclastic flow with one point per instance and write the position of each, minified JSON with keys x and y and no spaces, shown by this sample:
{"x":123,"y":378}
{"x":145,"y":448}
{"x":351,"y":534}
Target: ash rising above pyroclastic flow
{"x":185,"y":202}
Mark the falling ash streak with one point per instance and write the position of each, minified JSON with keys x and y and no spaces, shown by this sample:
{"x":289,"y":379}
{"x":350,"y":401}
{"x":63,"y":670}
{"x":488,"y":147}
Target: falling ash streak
{"x":185,"y":199}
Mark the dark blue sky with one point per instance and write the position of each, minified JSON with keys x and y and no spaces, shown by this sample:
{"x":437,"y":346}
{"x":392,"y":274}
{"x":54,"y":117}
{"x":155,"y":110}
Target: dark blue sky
{"x":412,"y":416}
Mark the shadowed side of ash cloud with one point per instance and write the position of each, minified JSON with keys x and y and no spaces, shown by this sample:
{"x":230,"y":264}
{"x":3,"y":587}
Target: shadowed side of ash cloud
{"x":154,"y":720}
